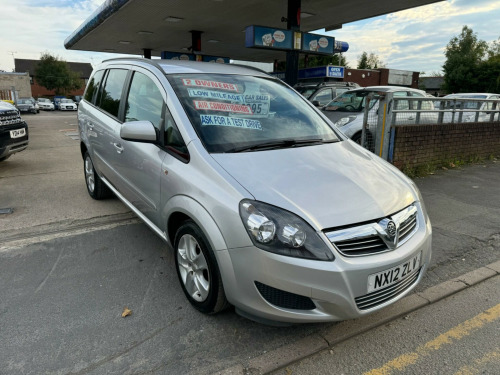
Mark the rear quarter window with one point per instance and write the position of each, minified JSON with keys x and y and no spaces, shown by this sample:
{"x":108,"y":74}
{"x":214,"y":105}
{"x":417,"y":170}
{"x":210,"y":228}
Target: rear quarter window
{"x":93,"y":86}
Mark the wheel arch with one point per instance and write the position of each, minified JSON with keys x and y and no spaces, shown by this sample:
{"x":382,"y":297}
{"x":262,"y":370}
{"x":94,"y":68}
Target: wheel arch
{"x":181,"y":208}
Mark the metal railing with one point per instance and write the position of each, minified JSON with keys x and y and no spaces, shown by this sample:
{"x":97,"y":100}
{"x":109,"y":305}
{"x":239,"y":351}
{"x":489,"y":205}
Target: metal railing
{"x":389,"y":111}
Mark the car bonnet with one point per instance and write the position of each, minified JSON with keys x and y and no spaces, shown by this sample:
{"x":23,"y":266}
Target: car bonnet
{"x":329,"y":185}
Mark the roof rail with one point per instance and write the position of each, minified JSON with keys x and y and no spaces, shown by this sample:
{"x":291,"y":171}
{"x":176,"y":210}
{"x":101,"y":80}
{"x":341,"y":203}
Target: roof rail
{"x":140,"y":59}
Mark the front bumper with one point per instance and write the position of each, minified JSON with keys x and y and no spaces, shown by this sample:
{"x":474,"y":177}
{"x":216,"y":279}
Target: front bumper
{"x":331,"y":286}
{"x":8,"y":145}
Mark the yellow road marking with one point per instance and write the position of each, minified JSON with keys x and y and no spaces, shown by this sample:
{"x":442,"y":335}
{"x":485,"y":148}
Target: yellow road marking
{"x":454,"y":334}
{"x":480,"y":363}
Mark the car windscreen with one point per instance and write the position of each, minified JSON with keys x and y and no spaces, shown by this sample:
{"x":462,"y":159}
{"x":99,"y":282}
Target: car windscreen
{"x":306,"y":91}
{"x":42,"y":100}
{"x":233,"y":113}
{"x":66,"y":101}
{"x":351,"y":101}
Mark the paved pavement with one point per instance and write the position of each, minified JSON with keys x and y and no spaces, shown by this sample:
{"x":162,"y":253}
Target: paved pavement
{"x":69,"y":265}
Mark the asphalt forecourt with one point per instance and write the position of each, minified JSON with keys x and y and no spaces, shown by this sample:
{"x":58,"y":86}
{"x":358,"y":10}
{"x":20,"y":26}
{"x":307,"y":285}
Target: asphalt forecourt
{"x":69,"y":266}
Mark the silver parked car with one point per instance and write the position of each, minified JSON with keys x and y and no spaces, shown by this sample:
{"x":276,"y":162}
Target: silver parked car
{"x":267,"y":206}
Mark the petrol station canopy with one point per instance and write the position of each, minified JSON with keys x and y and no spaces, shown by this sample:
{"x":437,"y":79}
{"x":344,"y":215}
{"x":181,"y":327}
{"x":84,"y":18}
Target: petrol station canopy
{"x":132,"y":26}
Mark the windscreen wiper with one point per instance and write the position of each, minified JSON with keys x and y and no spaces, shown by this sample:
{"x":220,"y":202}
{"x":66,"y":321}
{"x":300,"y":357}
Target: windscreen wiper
{"x":285,"y":143}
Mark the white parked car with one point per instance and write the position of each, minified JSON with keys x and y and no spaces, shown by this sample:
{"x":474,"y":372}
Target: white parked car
{"x":45,"y":104}
{"x":67,"y":105}
{"x":476,"y":103}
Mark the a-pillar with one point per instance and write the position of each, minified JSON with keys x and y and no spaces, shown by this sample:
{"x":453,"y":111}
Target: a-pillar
{"x":292,"y":57}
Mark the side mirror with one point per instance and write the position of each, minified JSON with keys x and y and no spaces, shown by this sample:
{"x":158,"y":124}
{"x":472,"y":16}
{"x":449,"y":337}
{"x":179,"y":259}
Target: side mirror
{"x":139,"y":131}
{"x":316,"y":103}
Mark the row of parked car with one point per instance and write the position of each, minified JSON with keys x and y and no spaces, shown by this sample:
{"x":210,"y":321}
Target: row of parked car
{"x":30,"y":105}
{"x":344,"y":104}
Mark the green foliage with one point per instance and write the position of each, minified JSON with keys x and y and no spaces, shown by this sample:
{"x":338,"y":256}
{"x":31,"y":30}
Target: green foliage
{"x":370,"y":61}
{"x":54,"y":74}
{"x":363,"y":61}
{"x":471,"y":65}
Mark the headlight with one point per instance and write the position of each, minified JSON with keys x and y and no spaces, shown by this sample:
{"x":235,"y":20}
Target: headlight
{"x":344,"y":121}
{"x":421,"y":201}
{"x":281,"y":232}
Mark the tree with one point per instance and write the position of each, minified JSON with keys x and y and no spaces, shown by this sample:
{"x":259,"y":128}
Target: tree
{"x":371,"y":61}
{"x":464,"y":56}
{"x":55,"y":74}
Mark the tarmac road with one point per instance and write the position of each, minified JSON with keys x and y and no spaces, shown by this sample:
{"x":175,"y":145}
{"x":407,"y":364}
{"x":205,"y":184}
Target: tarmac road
{"x":70,"y":265}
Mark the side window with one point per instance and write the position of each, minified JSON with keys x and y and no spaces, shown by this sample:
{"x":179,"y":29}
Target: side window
{"x":144,"y":101}
{"x":401,"y":104}
{"x":93,"y":86}
{"x":112,"y":91}
{"x":173,"y":138}
{"x":426,"y":104}
{"x":324,"y":96}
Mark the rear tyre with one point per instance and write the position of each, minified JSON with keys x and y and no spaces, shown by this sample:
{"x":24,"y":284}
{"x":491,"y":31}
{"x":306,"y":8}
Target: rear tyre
{"x":96,"y":188}
{"x":197,"y":270}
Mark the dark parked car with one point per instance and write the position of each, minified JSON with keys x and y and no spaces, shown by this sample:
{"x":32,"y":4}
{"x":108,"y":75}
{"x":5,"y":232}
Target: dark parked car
{"x":26,"y":105}
{"x":13,"y":131}
{"x":321,"y":94}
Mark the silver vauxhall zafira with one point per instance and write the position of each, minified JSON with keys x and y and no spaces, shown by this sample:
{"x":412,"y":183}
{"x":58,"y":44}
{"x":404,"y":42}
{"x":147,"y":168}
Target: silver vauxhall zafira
{"x":268,"y":207}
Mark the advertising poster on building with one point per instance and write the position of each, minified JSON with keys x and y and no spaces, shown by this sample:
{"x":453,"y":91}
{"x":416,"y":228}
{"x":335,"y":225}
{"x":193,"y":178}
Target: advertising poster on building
{"x":314,"y":43}
{"x":266,"y":37}
{"x":178,"y":56}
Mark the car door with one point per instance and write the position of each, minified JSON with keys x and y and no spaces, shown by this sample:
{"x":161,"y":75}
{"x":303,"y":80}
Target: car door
{"x":139,"y":165}
{"x":103,"y":121}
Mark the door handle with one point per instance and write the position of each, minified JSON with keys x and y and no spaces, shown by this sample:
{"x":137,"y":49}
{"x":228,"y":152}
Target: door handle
{"x":118,"y":147}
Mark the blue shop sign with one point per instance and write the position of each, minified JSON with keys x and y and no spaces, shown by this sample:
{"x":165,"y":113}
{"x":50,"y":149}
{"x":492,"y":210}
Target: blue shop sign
{"x":322,"y":72}
{"x":335,"y":71}
{"x":267,"y":37}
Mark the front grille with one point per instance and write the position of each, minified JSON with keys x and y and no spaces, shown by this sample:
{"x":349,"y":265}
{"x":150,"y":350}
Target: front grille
{"x":9,"y":117}
{"x":375,"y":237}
{"x":361,"y":246}
{"x":286,"y":300}
{"x":407,"y":227}
{"x":381,"y":296}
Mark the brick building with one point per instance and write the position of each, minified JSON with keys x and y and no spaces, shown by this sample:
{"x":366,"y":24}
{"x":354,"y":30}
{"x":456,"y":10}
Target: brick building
{"x":29,"y":66}
{"x":363,"y":77}
{"x":14,"y":85}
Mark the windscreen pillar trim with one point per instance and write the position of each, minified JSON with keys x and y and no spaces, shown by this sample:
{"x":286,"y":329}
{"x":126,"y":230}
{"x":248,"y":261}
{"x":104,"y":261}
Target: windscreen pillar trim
{"x":292,"y":57}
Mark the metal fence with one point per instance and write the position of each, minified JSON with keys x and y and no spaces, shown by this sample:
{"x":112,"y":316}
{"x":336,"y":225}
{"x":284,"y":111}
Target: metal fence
{"x":384,"y":110}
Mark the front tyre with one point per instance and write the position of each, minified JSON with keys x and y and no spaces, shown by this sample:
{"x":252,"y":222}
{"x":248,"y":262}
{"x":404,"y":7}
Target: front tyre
{"x":96,"y":188}
{"x":197,"y":270}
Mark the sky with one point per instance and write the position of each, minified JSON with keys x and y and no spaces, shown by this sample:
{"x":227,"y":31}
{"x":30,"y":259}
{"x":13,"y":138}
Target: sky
{"x":413,"y":39}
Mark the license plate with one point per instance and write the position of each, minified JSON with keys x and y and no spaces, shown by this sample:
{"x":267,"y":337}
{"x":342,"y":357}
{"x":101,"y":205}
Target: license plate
{"x":17,"y":133}
{"x":391,"y":276}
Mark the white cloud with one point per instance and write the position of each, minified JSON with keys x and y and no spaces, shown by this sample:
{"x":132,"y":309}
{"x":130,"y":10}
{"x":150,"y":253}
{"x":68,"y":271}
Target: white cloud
{"x":413,"y":39}
{"x":419,"y":34}
{"x":30,"y":28}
